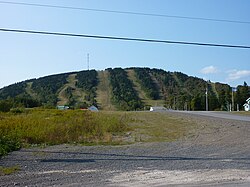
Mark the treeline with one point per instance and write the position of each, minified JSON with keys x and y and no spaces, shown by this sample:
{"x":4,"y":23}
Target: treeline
{"x":123,"y":94}
{"x":185,"y":92}
{"x":242,"y":93}
{"x":17,"y":103}
{"x":13,"y":90}
{"x":175,"y":89}
{"x":46,"y":88}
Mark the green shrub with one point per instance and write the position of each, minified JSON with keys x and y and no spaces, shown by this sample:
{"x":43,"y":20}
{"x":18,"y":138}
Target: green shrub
{"x":8,"y":144}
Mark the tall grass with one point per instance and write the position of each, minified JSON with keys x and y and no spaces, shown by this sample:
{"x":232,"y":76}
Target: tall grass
{"x":48,"y":126}
{"x":57,"y":127}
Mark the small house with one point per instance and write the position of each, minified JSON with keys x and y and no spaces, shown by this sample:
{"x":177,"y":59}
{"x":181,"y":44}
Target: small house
{"x":157,"y":108}
{"x":247,"y":105}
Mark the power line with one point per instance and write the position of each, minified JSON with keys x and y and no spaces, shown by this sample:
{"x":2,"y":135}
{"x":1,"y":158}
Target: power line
{"x":125,"y":12}
{"x":123,"y":38}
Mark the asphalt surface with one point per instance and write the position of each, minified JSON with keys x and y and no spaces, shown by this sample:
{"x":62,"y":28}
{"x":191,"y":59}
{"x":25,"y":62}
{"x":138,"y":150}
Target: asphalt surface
{"x":224,"y":115}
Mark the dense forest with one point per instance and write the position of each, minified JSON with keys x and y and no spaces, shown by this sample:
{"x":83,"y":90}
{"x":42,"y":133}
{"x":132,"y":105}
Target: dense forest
{"x":175,"y":90}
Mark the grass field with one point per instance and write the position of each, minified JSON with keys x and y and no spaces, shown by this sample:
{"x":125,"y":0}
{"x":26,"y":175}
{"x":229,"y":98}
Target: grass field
{"x":244,"y":113}
{"x":49,"y":127}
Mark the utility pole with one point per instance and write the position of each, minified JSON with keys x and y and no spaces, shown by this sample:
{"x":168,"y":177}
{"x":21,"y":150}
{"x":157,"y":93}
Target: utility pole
{"x":233,"y":90}
{"x":232,"y":99}
{"x":206,"y":101}
{"x":174,"y":103}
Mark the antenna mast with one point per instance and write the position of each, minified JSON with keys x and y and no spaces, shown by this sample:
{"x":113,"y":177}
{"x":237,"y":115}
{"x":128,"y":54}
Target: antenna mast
{"x":88,"y":61}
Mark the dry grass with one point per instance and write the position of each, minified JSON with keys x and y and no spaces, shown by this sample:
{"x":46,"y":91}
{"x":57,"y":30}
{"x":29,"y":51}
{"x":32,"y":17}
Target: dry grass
{"x":244,"y":113}
{"x":154,"y":126}
{"x":48,"y":127}
{"x":57,"y":127}
{"x":8,"y":170}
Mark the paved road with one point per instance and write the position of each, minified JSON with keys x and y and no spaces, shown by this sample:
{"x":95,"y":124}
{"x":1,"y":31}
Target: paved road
{"x":223,"y":115}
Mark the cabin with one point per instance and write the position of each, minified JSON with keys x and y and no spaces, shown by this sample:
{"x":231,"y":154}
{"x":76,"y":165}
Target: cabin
{"x":247,"y":105}
{"x":157,"y":109}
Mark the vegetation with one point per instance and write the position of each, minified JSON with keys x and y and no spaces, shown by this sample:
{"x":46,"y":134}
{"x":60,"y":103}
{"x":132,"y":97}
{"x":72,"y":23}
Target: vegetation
{"x":18,"y":102}
{"x":51,"y":126}
{"x":13,"y":90}
{"x":144,"y":87}
{"x":47,"y":88}
{"x":124,"y":95}
{"x":224,"y":96}
{"x":155,"y":127}
{"x":147,"y":84}
{"x":8,"y":170}
{"x":87,"y":80}
{"x":243,"y":92}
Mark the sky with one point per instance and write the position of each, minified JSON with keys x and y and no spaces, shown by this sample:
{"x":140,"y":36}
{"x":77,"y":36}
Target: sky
{"x":27,"y":56}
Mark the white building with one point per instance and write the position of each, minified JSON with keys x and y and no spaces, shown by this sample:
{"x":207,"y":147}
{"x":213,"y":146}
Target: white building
{"x":157,"y":108}
{"x":247,"y":105}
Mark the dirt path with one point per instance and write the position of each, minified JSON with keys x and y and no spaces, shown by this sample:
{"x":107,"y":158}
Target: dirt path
{"x":104,"y":92}
{"x":218,"y":154}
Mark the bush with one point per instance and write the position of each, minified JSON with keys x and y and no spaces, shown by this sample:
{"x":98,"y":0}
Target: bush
{"x":8,"y":144}
{"x":17,"y":110}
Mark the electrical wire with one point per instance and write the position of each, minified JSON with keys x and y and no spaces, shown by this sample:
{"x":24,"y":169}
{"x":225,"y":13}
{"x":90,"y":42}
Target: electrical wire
{"x":123,"y":38}
{"x":125,"y":12}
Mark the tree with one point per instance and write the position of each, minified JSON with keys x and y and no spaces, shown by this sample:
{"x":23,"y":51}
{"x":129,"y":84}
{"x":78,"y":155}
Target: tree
{"x":243,"y":92}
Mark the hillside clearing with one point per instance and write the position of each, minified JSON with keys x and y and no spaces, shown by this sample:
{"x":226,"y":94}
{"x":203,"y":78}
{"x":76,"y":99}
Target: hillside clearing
{"x":77,"y":93}
{"x":104,"y":92}
{"x":62,"y":98}
{"x":147,"y":101}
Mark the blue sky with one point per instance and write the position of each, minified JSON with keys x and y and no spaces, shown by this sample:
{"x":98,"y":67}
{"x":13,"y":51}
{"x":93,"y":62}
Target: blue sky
{"x":26,"y":56}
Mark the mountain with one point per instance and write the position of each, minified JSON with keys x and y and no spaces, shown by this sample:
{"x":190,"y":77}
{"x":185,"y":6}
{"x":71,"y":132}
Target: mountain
{"x":121,"y":89}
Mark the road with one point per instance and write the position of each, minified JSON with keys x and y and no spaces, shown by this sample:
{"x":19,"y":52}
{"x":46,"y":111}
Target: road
{"x":223,"y":115}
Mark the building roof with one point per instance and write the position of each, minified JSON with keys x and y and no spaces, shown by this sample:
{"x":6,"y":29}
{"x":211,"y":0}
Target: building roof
{"x":93,"y":108}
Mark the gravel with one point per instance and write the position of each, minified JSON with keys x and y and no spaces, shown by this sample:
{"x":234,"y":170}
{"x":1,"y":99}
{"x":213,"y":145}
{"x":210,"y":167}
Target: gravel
{"x":217,"y":154}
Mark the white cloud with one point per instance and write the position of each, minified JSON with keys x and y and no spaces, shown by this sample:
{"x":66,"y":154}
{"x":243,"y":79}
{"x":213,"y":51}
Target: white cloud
{"x":209,"y":70}
{"x":238,"y":74}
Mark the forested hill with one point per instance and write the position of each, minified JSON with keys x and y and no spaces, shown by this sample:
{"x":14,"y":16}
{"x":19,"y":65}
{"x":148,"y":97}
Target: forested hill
{"x":122,"y":89}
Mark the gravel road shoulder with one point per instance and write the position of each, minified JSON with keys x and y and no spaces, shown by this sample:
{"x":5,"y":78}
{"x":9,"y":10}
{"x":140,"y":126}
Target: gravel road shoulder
{"x":218,"y":154}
